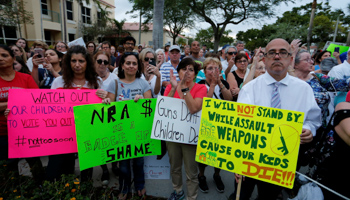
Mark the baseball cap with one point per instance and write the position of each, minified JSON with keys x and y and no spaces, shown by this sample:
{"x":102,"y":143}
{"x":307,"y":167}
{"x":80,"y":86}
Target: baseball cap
{"x":224,"y":47}
{"x":173,"y":47}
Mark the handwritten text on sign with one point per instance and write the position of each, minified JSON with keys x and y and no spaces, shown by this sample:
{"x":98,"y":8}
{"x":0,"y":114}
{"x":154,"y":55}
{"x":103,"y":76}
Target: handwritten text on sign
{"x":174,"y":122}
{"x":255,"y":141}
{"x":120,"y":131}
{"x":41,"y":121}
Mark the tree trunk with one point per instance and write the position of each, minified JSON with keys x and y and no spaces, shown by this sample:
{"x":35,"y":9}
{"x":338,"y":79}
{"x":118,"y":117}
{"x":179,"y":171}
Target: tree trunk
{"x":309,"y":34}
{"x":158,"y":10}
{"x":348,"y":40}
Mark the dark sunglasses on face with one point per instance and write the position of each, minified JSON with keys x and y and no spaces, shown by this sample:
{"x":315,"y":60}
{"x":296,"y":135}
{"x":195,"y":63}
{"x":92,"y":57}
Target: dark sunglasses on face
{"x":131,"y":53}
{"x":99,"y":61}
{"x":231,"y":53}
{"x":147,"y":59}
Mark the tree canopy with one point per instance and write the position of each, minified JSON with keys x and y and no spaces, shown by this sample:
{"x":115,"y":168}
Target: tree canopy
{"x":294,"y":24}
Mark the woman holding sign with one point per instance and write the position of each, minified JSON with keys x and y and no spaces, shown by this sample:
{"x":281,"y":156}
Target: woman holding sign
{"x":78,"y":72}
{"x":129,"y":86}
{"x":218,"y":89}
{"x":11,"y":79}
{"x":193,"y":94}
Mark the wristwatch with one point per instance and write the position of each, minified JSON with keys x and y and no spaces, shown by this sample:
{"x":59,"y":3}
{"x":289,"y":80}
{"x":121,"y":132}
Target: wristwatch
{"x":185,"y":90}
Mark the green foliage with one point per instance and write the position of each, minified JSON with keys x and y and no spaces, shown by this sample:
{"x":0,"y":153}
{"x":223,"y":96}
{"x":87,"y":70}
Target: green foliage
{"x":206,"y":36}
{"x":294,"y":24}
{"x":177,"y":15}
{"x":14,"y":13}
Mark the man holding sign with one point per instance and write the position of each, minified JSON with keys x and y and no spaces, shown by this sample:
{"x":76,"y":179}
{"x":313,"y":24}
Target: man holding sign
{"x":277,"y":89}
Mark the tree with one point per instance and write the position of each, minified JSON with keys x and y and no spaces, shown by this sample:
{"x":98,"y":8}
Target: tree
{"x":177,"y":15}
{"x":220,"y":13}
{"x":13,"y":13}
{"x":206,"y":36}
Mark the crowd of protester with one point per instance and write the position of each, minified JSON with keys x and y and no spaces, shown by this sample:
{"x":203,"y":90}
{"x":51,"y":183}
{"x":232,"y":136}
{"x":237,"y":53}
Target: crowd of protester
{"x":296,"y":79}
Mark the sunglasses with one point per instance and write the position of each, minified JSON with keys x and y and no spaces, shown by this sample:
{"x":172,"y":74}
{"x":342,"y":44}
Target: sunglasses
{"x":231,"y":53}
{"x":99,"y":61}
{"x":131,"y":53}
{"x":147,"y":59}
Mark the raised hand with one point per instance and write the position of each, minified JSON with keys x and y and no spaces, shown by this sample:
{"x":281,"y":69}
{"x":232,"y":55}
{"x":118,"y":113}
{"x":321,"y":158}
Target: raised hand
{"x":173,"y":80}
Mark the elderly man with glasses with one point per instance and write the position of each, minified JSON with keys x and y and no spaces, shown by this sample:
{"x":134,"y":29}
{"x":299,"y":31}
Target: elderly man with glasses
{"x":228,"y":65}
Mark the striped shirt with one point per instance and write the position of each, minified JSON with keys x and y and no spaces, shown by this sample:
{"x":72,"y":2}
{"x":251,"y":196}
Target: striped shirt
{"x":165,"y":71}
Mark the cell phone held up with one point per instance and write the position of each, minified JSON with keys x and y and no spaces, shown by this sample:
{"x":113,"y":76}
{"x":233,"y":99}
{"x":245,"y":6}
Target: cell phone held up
{"x":336,"y":49}
{"x":152,"y":62}
{"x":40,"y":52}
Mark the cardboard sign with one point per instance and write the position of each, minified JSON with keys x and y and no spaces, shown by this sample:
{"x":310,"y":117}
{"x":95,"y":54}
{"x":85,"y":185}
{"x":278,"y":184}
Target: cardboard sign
{"x":41,"y":121}
{"x":174,"y":122}
{"x":254,"y":141}
{"x":75,"y":42}
{"x":120,"y":131}
{"x":342,"y":49}
{"x":157,"y":169}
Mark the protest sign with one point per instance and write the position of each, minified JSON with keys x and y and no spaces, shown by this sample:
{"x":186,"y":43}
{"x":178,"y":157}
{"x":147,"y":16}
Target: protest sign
{"x":41,"y":121}
{"x":254,"y":141}
{"x":157,"y":169}
{"x":120,"y":131}
{"x":174,"y":122}
{"x":79,"y":41}
{"x":342,"y":49}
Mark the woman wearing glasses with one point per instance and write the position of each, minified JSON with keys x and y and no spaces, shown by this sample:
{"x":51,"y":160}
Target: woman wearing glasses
{"x":149,"y":71}
{"x":235,"y":79}
{"x":61,"y":47}
{"x":91,"y":47}
{"x":129,"y":86}
{"x":19,"y":51}
{"x":320,"y":83}
{"x":102,"y":60}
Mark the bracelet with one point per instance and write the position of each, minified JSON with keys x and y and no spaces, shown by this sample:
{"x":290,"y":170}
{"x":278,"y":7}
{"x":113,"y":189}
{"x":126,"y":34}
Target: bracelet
{"x":185,"y":89}
{"x":223,"y":86}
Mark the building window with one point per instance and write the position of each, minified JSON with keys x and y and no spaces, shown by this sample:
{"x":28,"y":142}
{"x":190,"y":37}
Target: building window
{"x":6,"y":2}
{"x":71,"y":37}
{"x":8,"y":35}
{"x":44,"y":7}
{"x":85,"y":14}
{"x":48,"y":37}
{"x":69,"y":10}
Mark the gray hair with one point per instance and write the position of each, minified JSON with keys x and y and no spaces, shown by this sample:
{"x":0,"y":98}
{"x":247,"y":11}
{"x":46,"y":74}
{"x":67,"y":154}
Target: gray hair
{"x":328,"y":63}
{"x":227,"y":48}
{"x":239,"y":42}
{"x":297,"y":57}
{"x":161,"y":50}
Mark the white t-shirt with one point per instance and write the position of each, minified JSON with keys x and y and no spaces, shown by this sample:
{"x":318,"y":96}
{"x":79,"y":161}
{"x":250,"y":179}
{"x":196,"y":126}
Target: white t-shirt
{"x":152,"y":84}
{"x":111,"y":77}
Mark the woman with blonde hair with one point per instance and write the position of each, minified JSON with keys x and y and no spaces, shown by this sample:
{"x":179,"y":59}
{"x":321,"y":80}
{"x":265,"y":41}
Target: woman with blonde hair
{"x":150,"y":72}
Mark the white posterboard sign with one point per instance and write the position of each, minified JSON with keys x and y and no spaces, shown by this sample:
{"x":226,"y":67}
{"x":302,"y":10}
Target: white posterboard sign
{"x":173,"y":121}
{"x":157,"y":169}
{"x":78,"y":41}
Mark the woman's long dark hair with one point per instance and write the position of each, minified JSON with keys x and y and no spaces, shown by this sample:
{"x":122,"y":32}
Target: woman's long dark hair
{"x":68,"y":74}
{"x":121,"y":73}
{"x":24,"y":68}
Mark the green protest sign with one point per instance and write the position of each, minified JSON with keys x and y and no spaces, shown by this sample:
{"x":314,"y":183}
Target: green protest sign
{"x":342,"y":49}
{"x":120,"y":131}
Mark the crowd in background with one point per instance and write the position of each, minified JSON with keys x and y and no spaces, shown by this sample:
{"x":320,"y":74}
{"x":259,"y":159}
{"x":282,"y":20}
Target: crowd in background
{"x":133,"y":72}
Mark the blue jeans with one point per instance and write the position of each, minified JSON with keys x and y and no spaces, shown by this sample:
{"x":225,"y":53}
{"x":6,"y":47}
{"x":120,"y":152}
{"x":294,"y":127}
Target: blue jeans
{"x":125,"y":174}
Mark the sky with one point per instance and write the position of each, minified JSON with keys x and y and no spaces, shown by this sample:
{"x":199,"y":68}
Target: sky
{"x":122,"y":6}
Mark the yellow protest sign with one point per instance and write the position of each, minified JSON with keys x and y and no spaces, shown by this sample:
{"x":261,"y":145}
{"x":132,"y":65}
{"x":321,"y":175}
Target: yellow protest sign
{"x":255,"y":141}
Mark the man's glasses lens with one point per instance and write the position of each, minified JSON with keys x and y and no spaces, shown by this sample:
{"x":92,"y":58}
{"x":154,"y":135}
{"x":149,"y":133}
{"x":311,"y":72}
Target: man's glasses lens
{"x":231,"y":53}
{"x":105,"y":62}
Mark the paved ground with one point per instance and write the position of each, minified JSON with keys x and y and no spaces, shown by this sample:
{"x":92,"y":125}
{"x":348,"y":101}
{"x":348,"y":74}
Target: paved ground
{"x":161,"y":188}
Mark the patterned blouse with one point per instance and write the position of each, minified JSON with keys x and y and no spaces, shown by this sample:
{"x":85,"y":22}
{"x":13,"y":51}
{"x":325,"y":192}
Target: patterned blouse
{"x":321,"y":84}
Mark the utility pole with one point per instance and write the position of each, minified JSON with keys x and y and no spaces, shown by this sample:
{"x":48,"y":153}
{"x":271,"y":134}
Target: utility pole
{"x":140,"y":27}
{"x":336,"y":30}
{"x":309,"y":34}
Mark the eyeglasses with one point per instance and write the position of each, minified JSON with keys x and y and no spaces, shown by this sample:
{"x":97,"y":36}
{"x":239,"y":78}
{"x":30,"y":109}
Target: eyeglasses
{"x":309,"y":60}
{"x":131,"y":53}
{"x":99,"y":61}
{"x":91,"y":46}
{"x":61,"y":46}
{"x":281,"y":54}
{"x":147,"y":59}
{"x":131,"y":44}
{"x":242,"y":61}
{"x":231,"y":53}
